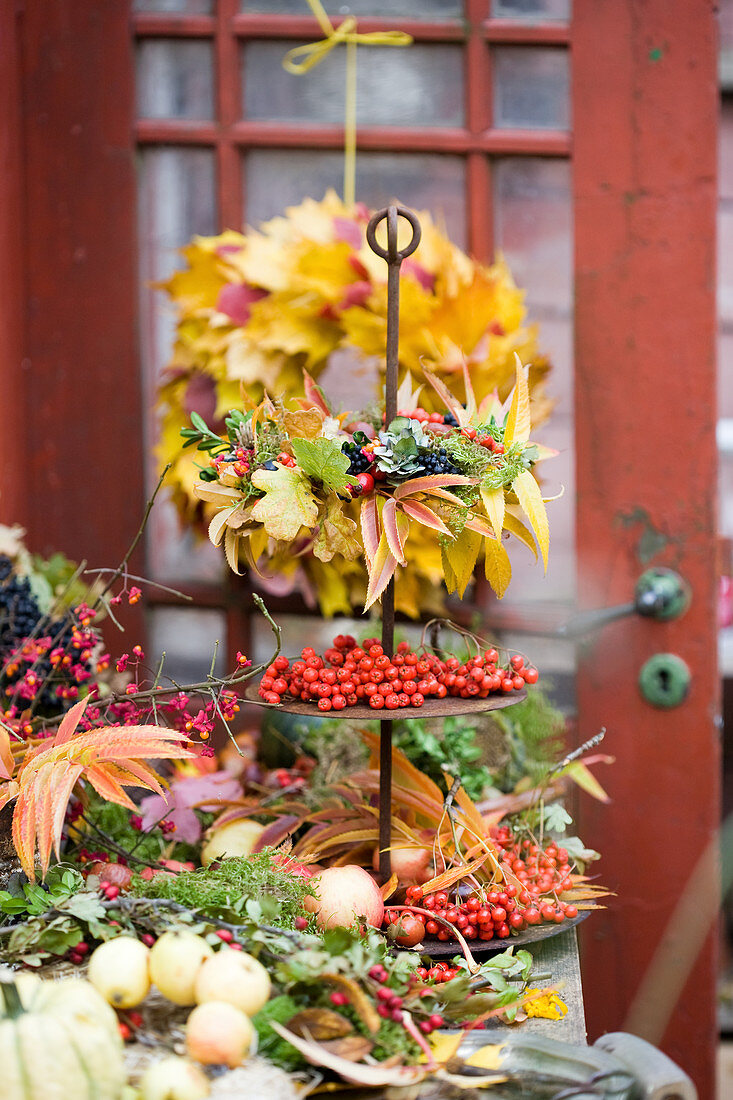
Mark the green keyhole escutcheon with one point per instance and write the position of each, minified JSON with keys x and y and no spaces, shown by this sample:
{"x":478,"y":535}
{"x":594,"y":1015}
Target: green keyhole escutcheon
{"x":665,"y":680}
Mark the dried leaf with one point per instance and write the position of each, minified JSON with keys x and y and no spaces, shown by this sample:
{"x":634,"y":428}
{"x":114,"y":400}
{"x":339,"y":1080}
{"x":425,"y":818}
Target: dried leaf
{"x":374,"y":1076}
{"x":288,"y":503}
{"x":320,"y":1023}
{"x":352,"y":1047}
{"x":231,"y":549}
{"x":388,"y":888}
{"x":336,"y":534}
{"x":584,"y":777}
{"x":303,"y":424}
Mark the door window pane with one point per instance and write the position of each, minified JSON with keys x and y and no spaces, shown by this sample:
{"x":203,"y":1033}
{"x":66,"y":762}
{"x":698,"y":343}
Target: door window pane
{"x":531,"y":88}
{"x":406,"y":86}
{"x":176,"y":199}
{"x":187,"y":637}
{"x":175,"y":79}
{"x":408,"y":9}
{"x":533,"y":229}
{"x":277,"y":178}
{"x":536,"y":11}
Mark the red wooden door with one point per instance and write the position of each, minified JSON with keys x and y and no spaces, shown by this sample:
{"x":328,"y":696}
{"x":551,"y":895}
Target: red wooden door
{"x":642,"y":154}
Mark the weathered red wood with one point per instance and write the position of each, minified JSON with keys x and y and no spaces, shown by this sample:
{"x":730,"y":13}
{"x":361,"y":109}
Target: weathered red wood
{"x":300,"y":27}
{"x":478,"y":95}
{"x":13,"y":439}
{"x":645,"y":112}
{"x":83,"y":473}
{"x":529,"y":34}
{"x":548,"y":143}
{"x":228,"y":156}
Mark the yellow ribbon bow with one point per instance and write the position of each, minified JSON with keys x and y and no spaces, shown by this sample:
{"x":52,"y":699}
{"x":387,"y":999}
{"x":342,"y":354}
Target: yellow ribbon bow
{"x":301,"y":59}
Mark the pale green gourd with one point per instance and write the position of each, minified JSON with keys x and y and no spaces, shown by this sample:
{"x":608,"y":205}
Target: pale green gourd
{"x":58,"y":1039}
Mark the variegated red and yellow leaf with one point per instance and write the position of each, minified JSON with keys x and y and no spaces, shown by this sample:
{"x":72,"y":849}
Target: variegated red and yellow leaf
{"x":392,"y":530}
{"x":69,"y":723}
{"x":449,"y":400}
{"x":415,"y":509}
{"x":430,"y":482}
{"x":7,"y":761}
{"x":370,"y":530}
{"x":480,"y":526}
{"x":381,"y":571}
{"x":110,"y":758}
{"x":443,"y":494}
{"x":314,"y":393}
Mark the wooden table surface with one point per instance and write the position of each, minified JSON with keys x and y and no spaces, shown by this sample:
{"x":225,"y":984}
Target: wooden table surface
{"x":557,"y":956}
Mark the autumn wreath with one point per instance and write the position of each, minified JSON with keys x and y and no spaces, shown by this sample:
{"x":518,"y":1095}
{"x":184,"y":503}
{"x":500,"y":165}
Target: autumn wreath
{"x":261,"y":311}
{"x":304,"y":484}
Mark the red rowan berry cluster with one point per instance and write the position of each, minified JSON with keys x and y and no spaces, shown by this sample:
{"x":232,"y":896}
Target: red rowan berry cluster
{"x":499,"y":910}
{"x":349,"y":674}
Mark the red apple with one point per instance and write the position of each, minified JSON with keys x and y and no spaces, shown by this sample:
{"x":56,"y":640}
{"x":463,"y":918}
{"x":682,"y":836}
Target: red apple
{"x":411,"y":865}
{"x":343,"y":895}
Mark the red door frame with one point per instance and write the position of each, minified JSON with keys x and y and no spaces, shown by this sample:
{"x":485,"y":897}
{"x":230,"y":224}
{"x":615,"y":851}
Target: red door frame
{"x":645,"y":109}
{"x":645,"y":124}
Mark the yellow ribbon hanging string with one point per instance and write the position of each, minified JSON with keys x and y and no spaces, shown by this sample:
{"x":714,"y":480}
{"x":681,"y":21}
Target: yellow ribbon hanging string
{"x":301,"y":59}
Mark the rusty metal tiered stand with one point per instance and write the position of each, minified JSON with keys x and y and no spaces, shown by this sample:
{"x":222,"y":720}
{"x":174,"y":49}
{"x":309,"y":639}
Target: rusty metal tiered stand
{"x":432,"y":708}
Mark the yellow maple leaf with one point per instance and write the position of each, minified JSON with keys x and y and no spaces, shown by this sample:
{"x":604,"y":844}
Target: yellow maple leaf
{"x":288,"y":503}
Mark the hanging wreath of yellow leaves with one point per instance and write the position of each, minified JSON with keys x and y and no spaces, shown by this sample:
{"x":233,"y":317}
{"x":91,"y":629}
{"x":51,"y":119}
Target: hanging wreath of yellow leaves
{"x":256,"y":310}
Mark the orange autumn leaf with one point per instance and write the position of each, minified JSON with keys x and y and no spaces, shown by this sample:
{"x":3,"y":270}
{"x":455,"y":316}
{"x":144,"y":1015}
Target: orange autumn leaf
{"x":109,"y":758}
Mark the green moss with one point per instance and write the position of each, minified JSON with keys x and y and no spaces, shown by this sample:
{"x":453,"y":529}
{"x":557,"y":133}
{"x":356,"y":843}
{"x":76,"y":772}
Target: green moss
{"x":230,"y":889}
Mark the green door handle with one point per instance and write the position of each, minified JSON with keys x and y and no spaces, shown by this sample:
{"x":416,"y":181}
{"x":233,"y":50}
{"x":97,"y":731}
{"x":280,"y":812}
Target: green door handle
{"x":665,"y":680}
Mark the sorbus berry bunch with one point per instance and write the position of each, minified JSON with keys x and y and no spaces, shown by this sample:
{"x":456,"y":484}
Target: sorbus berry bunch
{"x":502,"y":909}
{"x":348,"y":674}
{"x":390,"y":1002}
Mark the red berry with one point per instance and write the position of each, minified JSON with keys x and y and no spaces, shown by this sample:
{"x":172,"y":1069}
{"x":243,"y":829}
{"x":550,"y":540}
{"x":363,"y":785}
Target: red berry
{"x":301,"y":923}
{"x":376,"y":701}
{"x":324,"y":704}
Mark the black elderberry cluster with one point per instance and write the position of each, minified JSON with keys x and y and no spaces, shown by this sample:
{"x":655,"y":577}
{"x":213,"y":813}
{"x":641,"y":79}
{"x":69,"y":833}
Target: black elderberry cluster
{"x":19,"y":618}
{"x":358,"y":463}
{"x":450,"y":420}
{"x":19,"y":611}
{"x":436,"y":462}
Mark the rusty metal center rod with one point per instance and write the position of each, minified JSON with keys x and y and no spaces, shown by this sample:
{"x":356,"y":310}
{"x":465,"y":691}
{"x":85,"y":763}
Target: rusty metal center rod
{"x":394,"y":258}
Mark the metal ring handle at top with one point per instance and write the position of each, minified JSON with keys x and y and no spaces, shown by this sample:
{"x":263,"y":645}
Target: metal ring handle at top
{"x":391,"y":213}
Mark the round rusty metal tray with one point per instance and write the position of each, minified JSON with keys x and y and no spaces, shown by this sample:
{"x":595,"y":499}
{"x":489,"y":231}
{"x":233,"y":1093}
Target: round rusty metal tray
{"x":431,"y":708}
{"x":435,"y":948}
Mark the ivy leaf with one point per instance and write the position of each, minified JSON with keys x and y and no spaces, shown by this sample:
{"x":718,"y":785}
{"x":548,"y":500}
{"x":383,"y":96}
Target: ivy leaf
{"x":288,"y":503}
{"x":556,"y":818}
{"x":324,"y":461}
{"x":336,"y":534}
